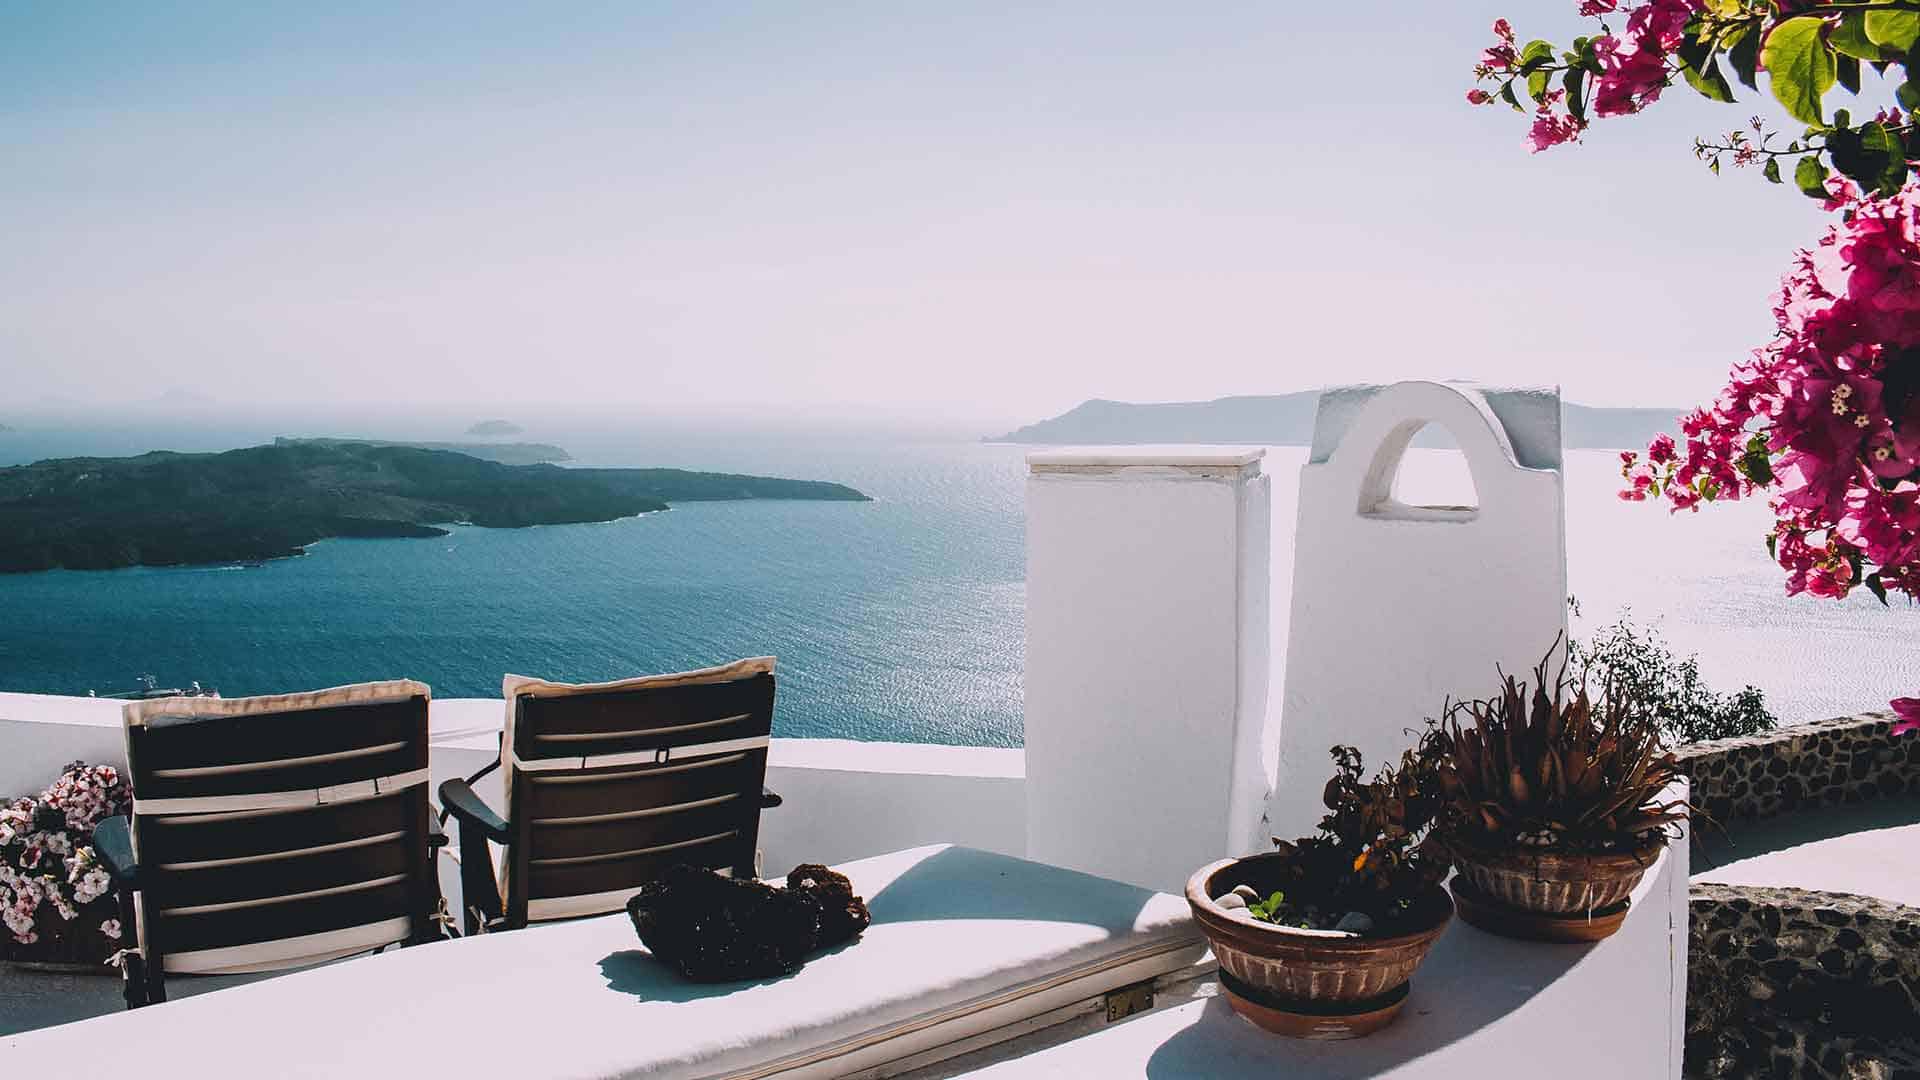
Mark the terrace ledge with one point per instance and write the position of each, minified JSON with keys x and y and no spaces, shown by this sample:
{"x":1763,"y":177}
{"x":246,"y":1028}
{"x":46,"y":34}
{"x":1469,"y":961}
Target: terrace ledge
{"x":1224,"y":462}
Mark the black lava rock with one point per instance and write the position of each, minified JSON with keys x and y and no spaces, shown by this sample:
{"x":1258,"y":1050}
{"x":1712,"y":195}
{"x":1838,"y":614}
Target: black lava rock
{"x":843,"y":916}
{"x":713,"y":928}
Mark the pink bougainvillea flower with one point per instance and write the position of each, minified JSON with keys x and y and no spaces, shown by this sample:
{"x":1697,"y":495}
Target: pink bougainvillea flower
{"x":1592,"y":8}
{"x":1906,"y":711}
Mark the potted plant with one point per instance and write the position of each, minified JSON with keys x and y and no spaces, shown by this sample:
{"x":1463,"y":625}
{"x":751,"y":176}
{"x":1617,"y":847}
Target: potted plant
{"x":1319,"y":938}
{"x":56,"y":903}
{"x":1552,"y":805}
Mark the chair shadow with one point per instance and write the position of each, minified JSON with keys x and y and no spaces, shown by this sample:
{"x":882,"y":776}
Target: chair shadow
{"x":963,"y":883}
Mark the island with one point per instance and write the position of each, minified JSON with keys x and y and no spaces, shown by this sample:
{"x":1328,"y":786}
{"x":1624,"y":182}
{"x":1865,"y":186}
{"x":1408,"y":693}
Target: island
{"x":494,"y":429}
{"x":1287,"y":420}
{"x":5,"y":430}
{"x":514,"y":453}
{"x":263,"y":502}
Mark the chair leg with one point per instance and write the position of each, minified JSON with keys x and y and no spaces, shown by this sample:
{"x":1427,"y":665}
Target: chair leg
{"x":133,"y":976}
{"x":479,"y":896}
{"x":156,"y":985}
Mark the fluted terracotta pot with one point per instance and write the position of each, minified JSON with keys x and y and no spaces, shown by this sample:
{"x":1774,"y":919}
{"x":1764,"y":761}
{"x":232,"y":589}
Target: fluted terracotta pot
{"x":1308,"y":983}
{"x":1546,"y":895}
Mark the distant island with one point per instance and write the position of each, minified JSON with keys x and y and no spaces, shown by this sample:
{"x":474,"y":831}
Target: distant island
{"x":1287,"y":420}
{"x":493,"y":429}
{"x":516,"y":453}
{"x":5,"y":430}
{"x":170,"y":509}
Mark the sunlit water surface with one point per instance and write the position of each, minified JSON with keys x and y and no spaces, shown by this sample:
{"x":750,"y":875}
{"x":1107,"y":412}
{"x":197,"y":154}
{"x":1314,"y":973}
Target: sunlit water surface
{"x":898,"y":619}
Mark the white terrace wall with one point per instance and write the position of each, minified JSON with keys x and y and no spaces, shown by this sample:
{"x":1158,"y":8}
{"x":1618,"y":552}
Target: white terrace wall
{"x":1397,"y":608}
{"x":844,"y":800}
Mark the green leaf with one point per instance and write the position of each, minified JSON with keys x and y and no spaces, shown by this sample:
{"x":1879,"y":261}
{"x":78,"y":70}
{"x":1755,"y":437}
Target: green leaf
{"x":1744,"y":54}
{"x":1877,"y":587}
{"x":1895,"y":30}
{"x":1810,"y":176}
{"x":1773,"y":547}
{"x":1536,"y":55}
{"x":1771,"y":170}
{"x":1871,"y":155}
{"x":1849,"y":38}
{"x":1908,"y":95}
{"x":1710,"y":83}
{"x":1590,"y":59}
{"x":1507,"y":95}
{"x":1799,"y":66}
{"x":1846,"y":71}
{"x":1537,"y":85}
{"x":1575,"y":83}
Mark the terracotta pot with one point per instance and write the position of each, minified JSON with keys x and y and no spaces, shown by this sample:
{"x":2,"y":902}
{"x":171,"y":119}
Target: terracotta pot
{"x":1552,"y":883}
{"x":1306,"y":983}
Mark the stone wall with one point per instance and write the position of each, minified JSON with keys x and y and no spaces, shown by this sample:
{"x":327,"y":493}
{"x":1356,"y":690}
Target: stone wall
{"x":1848,"y":759}
{"x":1790,"y":982}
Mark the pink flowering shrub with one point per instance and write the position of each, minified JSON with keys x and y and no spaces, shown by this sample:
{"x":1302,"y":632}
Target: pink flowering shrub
{"x":49,"y":876}
{"x":1824,"y":420}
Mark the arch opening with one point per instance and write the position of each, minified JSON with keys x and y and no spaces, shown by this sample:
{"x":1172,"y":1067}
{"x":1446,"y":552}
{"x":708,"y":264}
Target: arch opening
{"x":1421,"y":472}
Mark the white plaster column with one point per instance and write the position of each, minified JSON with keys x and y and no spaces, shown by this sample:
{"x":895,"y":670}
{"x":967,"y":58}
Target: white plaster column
{"x":1147,"y":658}
{"x":1397,"y":608}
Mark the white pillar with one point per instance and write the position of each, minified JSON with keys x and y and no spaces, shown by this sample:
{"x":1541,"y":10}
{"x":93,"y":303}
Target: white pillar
{"x":1147,"y":658}
{"x":1397,"y":608}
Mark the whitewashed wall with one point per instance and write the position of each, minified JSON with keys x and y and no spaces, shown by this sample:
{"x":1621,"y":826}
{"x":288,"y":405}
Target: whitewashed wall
{"x":1147,"y":658}
{"x":1396,"y":608}
{"x":844,"y":800}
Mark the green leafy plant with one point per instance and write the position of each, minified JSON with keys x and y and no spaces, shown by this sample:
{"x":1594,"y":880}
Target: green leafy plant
{"x":1638,"y":662}
{"x":1553,"y":769}
{"x":1807,"y":48}
{"x":1374,"y":854}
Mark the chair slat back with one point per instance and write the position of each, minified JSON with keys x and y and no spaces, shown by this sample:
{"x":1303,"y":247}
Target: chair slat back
{"x":281,"y":831}
{"x":610,"y":785}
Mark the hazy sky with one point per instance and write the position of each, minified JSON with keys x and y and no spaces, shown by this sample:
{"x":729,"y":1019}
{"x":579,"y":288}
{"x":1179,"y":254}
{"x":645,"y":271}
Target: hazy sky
{"x":955,"y":210}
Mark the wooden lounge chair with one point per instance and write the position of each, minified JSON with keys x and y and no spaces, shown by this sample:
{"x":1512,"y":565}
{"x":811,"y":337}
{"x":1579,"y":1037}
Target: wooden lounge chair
{"x":609,"y":784}
{"x":273,"y":832}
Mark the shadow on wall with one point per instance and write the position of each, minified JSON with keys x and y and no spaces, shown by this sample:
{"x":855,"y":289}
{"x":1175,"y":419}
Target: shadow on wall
{"x":1452,"y":999}
{"x":961,"y":883}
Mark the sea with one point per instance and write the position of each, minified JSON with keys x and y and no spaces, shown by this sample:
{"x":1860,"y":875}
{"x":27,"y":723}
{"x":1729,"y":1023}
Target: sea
{"x":900,"y":619}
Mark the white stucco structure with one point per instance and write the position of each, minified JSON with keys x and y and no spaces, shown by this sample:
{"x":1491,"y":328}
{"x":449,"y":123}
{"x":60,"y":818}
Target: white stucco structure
{"x":1147,"y":658}
{"x":1397,"y":608}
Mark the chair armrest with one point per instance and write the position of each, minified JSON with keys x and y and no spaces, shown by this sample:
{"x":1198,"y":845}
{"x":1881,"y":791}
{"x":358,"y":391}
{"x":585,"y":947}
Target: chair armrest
{"x":436,"y":832}
{"x":458,"y":797}
{"x":768,"y":800}
{"x":113,"y":843}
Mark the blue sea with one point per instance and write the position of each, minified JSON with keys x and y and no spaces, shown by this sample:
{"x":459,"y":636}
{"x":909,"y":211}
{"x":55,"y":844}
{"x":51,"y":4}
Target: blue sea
{"x":899,"y":619}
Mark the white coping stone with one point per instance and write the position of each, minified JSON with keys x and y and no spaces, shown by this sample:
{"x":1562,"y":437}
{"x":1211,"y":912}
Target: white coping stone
{"x":1481,"y":1006}
{"x":962,"y":943}
{"x":1104,"y":458}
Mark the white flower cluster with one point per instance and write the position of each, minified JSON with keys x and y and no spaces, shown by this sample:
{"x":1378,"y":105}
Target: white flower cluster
{"x":42,"y":863}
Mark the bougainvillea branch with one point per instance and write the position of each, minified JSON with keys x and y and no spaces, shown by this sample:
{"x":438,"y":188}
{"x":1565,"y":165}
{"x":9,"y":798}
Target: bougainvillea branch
{"x":1825,"y":418}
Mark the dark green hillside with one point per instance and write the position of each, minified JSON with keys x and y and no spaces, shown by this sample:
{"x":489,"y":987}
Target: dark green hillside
{"x":679,"y":485}
{"x":166,"y":509}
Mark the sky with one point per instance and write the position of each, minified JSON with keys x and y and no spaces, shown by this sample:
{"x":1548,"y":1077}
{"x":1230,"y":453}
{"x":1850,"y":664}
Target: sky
{"x":955,"y":212}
